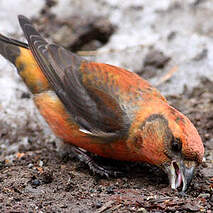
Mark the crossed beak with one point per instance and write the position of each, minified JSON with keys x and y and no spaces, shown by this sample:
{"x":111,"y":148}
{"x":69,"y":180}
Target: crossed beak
{"x":180,"y":174}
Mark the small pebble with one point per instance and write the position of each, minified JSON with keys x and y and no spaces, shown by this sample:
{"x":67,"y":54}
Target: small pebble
{"x":143,"y":210}
{"x":36,"y":182}
{"x":41,"y":163}
{"x":30,"y":165}
{"x":204,"y":195}
{"x":109,"y":190}
{"x":98,"y":204}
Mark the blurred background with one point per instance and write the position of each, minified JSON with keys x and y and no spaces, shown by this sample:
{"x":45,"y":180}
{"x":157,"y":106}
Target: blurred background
{"x":169,"y":43}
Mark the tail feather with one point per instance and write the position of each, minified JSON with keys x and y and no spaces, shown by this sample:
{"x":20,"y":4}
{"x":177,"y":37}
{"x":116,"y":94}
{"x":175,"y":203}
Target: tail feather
{"x":10,"y":48}
{"x":13,"y":41}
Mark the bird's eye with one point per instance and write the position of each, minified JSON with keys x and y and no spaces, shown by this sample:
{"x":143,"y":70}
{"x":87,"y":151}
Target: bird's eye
{"x":176,"y":145}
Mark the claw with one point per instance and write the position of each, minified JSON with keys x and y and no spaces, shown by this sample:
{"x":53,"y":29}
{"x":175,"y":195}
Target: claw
{"x":95,"y":167}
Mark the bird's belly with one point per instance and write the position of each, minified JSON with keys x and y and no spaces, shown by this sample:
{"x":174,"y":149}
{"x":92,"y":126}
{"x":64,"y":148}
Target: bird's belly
{"x":62,"y":124}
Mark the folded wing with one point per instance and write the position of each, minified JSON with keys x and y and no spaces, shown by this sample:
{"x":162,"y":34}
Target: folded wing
{"x":96,"y":112}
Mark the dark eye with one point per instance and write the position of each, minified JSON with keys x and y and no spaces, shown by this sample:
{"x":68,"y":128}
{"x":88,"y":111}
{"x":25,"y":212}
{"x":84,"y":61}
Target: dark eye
{"x":176,"y":145}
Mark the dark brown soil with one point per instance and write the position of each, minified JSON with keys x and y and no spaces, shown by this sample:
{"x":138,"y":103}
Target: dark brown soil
{"x":41,"y":180}
{"x":38,"y":179}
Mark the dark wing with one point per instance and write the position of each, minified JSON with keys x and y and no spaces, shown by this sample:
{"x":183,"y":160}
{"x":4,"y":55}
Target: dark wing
{"x":86,"y":105}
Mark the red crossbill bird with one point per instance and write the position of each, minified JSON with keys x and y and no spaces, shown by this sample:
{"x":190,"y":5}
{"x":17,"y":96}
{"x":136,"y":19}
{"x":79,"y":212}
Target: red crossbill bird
{"x":104,"y":109}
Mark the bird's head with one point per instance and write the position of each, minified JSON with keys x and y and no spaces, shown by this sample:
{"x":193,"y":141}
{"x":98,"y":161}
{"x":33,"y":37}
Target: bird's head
{"x":169,"y":140}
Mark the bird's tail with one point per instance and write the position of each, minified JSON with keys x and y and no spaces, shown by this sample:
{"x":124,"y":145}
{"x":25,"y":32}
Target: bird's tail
{"x":10,"y":48}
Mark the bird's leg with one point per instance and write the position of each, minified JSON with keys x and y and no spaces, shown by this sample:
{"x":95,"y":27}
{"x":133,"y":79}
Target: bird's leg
{"x":93,"y":164}
{"x":91,"y":160}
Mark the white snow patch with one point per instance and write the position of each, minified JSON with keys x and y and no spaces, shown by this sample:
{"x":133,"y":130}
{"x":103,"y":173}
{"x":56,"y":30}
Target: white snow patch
{"x":140,"y":25}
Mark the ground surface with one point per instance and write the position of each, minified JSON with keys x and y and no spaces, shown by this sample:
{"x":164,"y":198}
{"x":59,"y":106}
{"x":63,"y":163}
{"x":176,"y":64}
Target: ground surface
{"x":34,"y":176}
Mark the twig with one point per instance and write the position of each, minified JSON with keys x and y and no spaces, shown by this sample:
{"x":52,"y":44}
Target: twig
{"x":101,"y":52}
{"x":167,"y":76}
{"x":105,"y":206}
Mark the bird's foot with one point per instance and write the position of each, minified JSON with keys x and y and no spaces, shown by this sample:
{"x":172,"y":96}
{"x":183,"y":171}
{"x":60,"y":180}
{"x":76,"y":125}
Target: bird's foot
{"x":95,"y":163}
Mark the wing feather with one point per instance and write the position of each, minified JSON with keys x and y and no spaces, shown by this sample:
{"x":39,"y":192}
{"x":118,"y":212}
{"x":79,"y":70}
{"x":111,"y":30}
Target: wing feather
{"x":87,"y":106}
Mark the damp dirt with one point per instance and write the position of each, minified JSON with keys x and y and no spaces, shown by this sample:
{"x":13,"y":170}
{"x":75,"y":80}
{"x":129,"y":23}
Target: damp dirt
{"x":34,"y":177}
